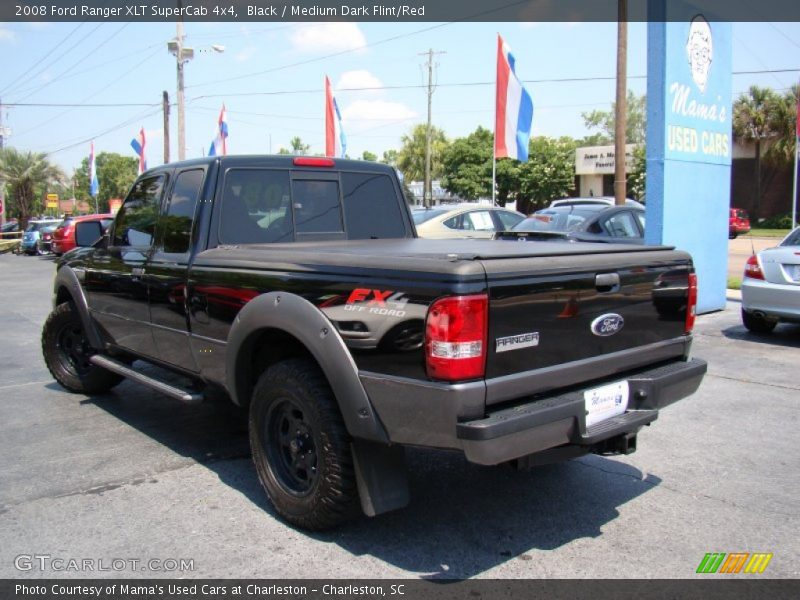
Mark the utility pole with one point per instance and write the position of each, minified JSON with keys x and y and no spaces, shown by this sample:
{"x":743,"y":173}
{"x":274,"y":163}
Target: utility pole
{"x":165,"y":109}
{"x":427,"y":188}
{"x":182,"y":56}
{"x":3,"y":207}
{"x":621,"y":109}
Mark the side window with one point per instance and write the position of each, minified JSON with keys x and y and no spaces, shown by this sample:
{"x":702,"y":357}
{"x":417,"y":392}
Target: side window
{"x":622,"y":225}
{"x":176,"y":224}
{"x":136,"y":220}
{"x":508,"y":219}
{"x":316,"y":206}
{"x":480,"y":220}
{"x":255,"y":207}
{"x":457,"y":222}
{"x":371,"y":207}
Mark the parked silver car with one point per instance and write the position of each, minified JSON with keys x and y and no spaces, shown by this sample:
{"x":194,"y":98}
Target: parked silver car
{"x":771,"y":286}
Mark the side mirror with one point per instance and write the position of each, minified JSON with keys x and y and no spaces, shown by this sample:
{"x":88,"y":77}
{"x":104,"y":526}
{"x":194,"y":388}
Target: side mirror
{"x":88,"y":233}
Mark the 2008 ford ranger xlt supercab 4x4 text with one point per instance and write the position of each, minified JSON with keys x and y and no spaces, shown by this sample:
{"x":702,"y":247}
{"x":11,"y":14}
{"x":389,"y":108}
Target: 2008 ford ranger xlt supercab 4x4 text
{"x":297,"y":286}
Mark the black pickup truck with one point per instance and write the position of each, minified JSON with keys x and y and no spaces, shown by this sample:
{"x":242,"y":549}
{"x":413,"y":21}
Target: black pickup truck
{"x":297,"y":287}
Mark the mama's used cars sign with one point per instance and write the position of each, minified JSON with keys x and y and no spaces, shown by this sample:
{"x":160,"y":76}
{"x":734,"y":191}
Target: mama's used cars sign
{"x":698,"y":108}
{"x":689,"y":141}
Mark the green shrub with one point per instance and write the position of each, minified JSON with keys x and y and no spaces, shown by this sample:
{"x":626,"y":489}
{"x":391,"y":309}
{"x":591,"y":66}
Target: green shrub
{"x":777,"y":222}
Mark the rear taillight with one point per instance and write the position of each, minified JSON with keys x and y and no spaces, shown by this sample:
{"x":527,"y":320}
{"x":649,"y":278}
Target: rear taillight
{"x":752,"y":268}
{"x":691,"y":303}
{"x":455,"y":338}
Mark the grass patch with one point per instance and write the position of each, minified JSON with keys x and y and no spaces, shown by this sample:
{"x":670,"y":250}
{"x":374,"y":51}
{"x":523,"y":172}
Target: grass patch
{"x":734,"y":283}
{"x":769,"y":233}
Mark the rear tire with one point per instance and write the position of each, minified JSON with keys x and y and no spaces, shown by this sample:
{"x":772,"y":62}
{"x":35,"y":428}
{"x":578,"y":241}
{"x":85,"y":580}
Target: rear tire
{"x":757,"y":324}
{"x":67,"y":351}
{"x":301,"y":448}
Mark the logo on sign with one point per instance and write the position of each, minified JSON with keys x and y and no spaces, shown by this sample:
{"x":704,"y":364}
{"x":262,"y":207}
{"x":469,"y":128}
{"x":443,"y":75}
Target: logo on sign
{"x":608,"y":324}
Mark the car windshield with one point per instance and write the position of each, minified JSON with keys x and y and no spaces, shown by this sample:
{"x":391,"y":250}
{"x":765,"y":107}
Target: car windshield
{"x":426,"y":214}
{"x":38,"y":226}
{"x":554,"y":219}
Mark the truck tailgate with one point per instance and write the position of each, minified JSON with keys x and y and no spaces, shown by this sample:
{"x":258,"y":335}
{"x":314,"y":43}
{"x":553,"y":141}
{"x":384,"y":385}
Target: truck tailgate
{"x":548,"y":312}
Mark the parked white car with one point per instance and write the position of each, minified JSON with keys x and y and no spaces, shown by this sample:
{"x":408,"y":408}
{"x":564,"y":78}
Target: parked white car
{"x":464,"y":221}
{"x":771,"y":286}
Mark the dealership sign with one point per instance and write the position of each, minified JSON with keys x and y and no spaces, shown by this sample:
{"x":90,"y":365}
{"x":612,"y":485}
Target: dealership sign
{"x":689,"y":141}
{"x":698,"y":102}
{"x":600,"y":160}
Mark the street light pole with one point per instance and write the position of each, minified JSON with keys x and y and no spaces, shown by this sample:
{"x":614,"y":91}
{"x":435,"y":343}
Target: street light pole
{"x":182,"y":56}
{"x":179,"y":54}
{"x":621,"y":117}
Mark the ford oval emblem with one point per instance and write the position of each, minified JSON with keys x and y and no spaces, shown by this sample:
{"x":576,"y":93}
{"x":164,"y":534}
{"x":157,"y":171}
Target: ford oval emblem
{"x":607,"y":324}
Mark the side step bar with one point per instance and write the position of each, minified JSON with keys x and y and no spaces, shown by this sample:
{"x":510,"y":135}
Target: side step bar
{"x":120,"y":369}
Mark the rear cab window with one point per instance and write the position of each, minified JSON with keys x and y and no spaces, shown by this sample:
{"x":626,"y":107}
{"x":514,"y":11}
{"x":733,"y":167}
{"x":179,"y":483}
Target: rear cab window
{"x":261,"y":205}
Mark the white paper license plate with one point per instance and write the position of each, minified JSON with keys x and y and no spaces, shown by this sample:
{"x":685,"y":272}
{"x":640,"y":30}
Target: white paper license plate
{"x":605,"y":402}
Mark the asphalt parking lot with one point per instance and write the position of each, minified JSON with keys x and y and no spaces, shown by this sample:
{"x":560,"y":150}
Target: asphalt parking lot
{"x":132,"y":475}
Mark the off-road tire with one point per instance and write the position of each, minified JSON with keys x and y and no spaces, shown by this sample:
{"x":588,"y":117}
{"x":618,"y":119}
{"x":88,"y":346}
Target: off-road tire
{"x":757,"y":324}
{"x":301,"y":448}
{"x":66,"y":353}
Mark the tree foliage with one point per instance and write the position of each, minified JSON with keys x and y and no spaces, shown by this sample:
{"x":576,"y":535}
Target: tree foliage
{"x":28,"y":176}
{"x":370,"y":156}
{"x":115,"y":175}
{"x":753,"y":121}
{"x":390,"y":157}
{"x":411,"y":157}
{"x":467,"y":165}
{"x":605,"y":121}
{"x":549,"y":173}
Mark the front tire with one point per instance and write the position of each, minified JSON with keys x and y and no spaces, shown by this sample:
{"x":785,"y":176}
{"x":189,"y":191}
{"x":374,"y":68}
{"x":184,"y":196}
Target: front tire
{"x":301,"y":448}
{"x":757,"y":324}
{"x":66,"y":351}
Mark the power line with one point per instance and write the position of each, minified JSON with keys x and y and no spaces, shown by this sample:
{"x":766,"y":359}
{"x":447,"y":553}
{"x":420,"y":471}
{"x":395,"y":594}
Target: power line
{"x":61,"y":75}
{"x":27,"y":72}
{"x":126,"y":123}
{"x":358,"y":89}
{"x":370,"y":45}
{"x":64,"y":54}
{"x":123,"y":75}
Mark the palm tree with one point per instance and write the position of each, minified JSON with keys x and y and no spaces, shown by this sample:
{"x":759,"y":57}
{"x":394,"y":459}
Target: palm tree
{"x":783,"y":121}
{"x":752,"y":122}
{"x":27,"y":174}
{"x":411,"y":158}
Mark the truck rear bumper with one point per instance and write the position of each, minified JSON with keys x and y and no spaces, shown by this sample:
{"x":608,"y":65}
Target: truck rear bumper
{"x":558,"y":420}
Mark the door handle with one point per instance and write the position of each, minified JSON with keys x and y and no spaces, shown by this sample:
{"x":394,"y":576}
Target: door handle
{"x":607,"y":282}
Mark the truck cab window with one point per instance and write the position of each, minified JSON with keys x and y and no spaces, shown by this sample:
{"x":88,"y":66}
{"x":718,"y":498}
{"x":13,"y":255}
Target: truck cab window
{"x":370,"y":207}
{"x":136,"y":220}
{"x":316,"y":206}
{"x":176,"y":224}
{"x":255,"y":207}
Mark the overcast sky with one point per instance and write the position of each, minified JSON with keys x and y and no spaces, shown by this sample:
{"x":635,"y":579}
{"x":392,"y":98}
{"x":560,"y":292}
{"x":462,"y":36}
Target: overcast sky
{"x":270,"y":78}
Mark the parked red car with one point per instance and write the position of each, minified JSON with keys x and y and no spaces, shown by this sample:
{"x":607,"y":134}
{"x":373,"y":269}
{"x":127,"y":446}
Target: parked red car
{"x":738,"y":222}
{"x":64,"y":235}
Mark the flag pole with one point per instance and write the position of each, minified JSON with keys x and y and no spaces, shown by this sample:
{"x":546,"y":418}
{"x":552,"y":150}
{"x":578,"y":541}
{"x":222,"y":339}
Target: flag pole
{"x":494,"y":138}
{"x":794,"y":187}
{"x":796,"y":154}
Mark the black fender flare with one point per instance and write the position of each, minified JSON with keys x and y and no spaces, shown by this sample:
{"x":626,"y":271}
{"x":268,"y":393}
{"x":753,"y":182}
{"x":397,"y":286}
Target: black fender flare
{"x":299,"y":318}
{"x":69,"y":279}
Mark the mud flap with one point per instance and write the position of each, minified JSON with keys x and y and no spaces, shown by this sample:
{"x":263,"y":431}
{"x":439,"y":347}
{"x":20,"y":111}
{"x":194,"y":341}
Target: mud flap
{"x":381,"y":477}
